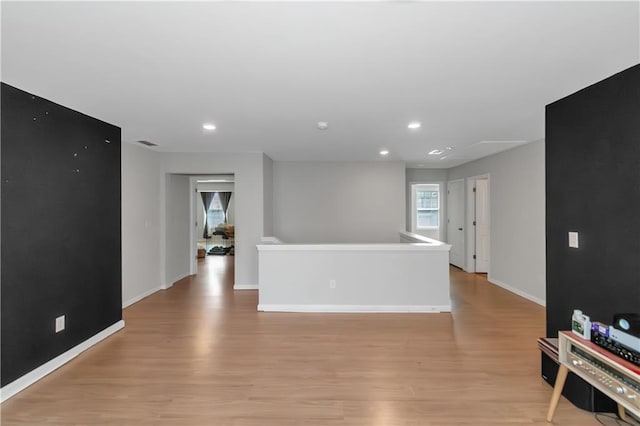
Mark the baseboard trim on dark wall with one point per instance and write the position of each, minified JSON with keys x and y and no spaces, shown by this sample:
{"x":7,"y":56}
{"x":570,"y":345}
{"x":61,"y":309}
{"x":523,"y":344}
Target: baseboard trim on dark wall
{"x":33,"y":376}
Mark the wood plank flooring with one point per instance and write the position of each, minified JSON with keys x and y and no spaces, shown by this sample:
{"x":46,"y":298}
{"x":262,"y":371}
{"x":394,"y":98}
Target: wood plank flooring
{"x":200,"y":354}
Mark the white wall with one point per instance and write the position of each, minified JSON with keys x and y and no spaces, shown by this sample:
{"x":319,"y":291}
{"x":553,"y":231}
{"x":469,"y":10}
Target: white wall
{"x":517,"y":208}
{"x":249,"y":202}
{"x":140,"y":223}
{"x":517,"y":216}
{"x":326,"y":202}
{"x":178,"y":254}
{"x":354,"y":277}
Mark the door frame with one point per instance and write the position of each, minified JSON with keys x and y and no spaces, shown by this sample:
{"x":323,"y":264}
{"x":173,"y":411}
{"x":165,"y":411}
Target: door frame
{"x":470,"y":213}
{"x":193,"y":215}
{"x":482,"y":259}
{"x":461,"y":180}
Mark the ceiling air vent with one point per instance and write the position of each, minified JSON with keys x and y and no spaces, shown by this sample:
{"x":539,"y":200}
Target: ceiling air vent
{"x":147,"y":143}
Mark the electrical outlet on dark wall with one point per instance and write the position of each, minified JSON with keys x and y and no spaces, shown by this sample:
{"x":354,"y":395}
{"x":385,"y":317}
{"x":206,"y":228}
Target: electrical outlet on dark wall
{"x":61,"y":222}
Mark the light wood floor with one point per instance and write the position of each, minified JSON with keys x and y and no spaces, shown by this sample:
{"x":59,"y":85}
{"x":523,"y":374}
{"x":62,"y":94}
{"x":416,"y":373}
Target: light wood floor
{"x":200,"y":354}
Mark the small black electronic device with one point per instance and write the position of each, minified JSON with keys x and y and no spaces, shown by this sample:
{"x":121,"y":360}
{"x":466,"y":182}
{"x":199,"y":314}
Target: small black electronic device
{"x":600,"y":335}
{"x":629,"y":323}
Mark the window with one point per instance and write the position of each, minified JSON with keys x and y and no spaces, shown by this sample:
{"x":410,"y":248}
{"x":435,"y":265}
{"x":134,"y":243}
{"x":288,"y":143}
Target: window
{"x":427,"y":206}
{"x":215,"y":215}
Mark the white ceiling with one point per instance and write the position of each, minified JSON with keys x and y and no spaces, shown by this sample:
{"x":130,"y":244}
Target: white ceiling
{"x":265,"y":73}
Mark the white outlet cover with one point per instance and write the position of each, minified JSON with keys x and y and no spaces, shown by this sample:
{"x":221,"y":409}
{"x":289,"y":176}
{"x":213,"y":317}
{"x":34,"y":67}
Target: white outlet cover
{"x":573,"y":239}
{"x":59,"y":324}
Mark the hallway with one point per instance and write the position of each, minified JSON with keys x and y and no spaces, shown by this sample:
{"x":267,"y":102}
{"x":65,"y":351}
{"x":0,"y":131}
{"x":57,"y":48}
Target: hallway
{"x":200,"y":354}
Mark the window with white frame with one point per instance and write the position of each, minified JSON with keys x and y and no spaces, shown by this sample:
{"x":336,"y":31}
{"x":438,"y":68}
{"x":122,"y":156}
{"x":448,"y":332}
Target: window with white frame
{"x":426,"y":206}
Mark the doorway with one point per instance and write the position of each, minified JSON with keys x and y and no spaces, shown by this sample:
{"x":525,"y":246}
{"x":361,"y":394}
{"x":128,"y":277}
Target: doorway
{"x":482,"y":225}
{"x":455,"y":222}
{"x":478,"y":250}
{"x":212,"y":217}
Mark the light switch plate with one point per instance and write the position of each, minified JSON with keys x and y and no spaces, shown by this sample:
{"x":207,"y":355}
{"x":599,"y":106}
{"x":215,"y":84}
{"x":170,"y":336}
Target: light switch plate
{"x":573,"y":239}
{"x":60,"y":324}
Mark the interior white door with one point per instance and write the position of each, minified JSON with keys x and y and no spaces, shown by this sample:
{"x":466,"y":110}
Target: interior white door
{"x":455,"y":222}
{"x":482,"y":225}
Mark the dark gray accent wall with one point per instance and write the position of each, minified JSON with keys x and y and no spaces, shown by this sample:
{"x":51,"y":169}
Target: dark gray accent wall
{"x":61,"y":238}
{"x":593,"y":188}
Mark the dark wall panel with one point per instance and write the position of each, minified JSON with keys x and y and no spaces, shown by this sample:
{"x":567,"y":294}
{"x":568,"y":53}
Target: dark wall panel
{"x":593,"y":188}
{"x":61,"y":240}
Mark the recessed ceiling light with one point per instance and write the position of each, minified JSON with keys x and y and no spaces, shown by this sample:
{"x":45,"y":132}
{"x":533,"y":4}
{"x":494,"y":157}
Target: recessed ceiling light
{"x":323,"y":125}
{"x":414,"y":125}
{"x":384,"y":152}
{"x":209,"y":126}
{"x":436,"y":152}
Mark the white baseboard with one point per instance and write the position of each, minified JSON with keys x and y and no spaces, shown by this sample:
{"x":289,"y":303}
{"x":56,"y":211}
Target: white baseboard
{"x":33,"y":376}
{"x":245,"y":286}
{"x":517,"y":291}
{"x":356,"y":308}
{"x":170,"y":283}
{"x":140,"y":297}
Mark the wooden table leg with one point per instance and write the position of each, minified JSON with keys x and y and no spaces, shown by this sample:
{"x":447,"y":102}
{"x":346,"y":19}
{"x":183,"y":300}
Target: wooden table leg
{"x":621,"y":413}
{"x":557,"y":391}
